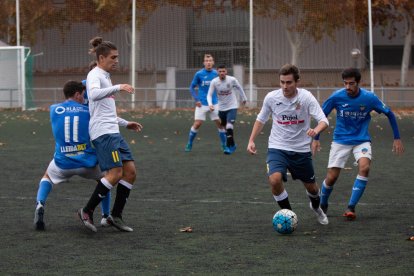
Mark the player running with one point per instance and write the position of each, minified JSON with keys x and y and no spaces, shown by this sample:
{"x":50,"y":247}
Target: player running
{"x":291,"y":109}
{"x":202,"y":80}
{"x":353,"y":114}
{"x":228,"y":103}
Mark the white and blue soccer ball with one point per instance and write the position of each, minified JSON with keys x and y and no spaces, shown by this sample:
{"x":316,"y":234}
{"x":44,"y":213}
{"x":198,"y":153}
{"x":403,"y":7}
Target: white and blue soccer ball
{"x":285,"y":221}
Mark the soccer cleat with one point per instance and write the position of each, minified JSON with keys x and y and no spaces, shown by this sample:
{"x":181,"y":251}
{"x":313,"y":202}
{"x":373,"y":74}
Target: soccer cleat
{"x":324,"y":208}
{"x":87,"y":220}
{"x":188,"y":147}
{"x":223,"y":147}
{"x":233,"y":148}
{"x":38,"y":218}
{"x":320,"y":215}
{"x":227,"y":150}
{"x":118,"y":223}
{"x":349,"y":214}
{"x":104,"y":221}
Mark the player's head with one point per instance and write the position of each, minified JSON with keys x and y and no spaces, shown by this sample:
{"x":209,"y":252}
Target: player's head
{"x":208,"y":61}
{"x":222,"y":71}
{"x":289,"y":77}
{"x":351,"y":78}
{"x":74,"y":90}
{"x":106,"y":53}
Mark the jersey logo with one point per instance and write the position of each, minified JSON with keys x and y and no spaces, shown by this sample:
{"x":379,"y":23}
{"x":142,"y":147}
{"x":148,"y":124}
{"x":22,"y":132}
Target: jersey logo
{"x":60,"y":110}
{"x":279,"y":103}
{"x":345,"y":105}
{"x":362,"y":107}
{"x":297,"y":106}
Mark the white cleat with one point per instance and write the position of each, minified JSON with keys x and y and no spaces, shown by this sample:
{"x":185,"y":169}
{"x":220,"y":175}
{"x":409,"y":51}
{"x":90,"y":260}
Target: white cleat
{"x":320,"y":215}
{"x":104,"y":222}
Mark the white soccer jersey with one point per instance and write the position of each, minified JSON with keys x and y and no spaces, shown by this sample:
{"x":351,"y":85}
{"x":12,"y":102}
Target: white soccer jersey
{"x":227,"y":99}
{"x":291,"y":119}
{"x":101,"y":95}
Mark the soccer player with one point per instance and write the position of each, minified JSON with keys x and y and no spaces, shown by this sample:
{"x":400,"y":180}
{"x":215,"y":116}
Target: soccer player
{"x":202,"y":79}
{"x":74,"y":154}
{"x":291,"y":109}
{"x":353,"y":114}
{"x":228,"y":103}
{"x":114,"y":154}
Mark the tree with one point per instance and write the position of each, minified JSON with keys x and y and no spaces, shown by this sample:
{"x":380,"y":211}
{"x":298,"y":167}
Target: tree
{"x":387,"y":13}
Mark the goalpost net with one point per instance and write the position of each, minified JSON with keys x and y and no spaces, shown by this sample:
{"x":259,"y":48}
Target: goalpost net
{"x":15,"y":81}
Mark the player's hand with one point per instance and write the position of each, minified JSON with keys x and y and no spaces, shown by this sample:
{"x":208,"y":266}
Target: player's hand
{"x":316,"y":146}
{"x":198,"y":104}
{"x":211,"y":107}
{"x":311,"y":132}
{"x":251,"y":148}
{"x":397,"y":147}
{"x":127,"y":88}
{"x":134,"y":126}
{"x":243,"y":103}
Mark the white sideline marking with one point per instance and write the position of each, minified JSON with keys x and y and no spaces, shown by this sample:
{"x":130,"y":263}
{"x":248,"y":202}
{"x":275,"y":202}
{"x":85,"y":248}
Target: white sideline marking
{"x":207,"y":201}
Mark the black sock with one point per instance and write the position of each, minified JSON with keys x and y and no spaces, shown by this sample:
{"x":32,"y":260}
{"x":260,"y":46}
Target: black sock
{"x":122,"y":194}
{"x":284,"y":204}
{"x":315,"y":199}
{"x":230,"y":139}
{"x":100,"y":192}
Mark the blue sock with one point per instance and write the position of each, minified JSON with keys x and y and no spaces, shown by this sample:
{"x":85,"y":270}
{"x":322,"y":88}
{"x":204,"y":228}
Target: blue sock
{"x":106,"y":205}
{"x":357,"y":191}
{"x":325,"y":193}
{"x":45,"y":186}
{"x":222,"y":135}
{"x":192,"y":135}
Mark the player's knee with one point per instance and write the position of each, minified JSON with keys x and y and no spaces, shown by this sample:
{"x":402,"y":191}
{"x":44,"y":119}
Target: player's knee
{"x":114,"y":175}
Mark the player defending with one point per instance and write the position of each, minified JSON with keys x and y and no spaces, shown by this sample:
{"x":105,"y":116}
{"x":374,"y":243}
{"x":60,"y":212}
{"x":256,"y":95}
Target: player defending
{"x":202,"y":79}
{"x":114,"y":155}
{"x":289,"y":141}
{"x":353,"y":108}
{"x":74,"y":154}
{"x":228,"y":103}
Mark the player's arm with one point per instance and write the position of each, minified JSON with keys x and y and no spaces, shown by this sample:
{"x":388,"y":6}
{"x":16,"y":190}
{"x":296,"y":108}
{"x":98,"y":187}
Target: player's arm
{"x":327,"y":108}
{"x":257,"y":128}
{"x":194,"y":93}
{"x":397,"y":146}
{"x":134,"y":126}
{"x":262,"y":118}
{"x":241,"y":91}
{"x":210,"y":95}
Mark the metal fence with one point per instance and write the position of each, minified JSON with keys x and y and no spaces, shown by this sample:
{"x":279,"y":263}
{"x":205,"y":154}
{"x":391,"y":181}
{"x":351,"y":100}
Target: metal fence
{"x":164,"y":98}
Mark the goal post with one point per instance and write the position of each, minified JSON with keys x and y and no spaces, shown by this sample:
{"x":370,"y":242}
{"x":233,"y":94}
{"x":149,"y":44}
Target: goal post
{"x":13,"y":84}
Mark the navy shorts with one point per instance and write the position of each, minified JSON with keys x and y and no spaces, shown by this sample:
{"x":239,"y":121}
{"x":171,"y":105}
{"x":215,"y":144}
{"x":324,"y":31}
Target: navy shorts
{"x":111,"y":150}
{"x":228,"y":116}
{"x":299,"y":164}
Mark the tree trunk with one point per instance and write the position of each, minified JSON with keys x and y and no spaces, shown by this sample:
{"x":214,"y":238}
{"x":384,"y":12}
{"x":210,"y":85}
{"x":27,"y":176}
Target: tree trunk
{"x":407,"y":49}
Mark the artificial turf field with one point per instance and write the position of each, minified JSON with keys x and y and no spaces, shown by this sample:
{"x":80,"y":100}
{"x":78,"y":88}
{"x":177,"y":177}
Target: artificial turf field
{"x":225,"y":199}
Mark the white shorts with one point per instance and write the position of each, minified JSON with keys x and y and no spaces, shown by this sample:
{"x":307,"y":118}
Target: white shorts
{"x":200,"y":113}
{"x":58,"y":175}
{"x":339,"y":154}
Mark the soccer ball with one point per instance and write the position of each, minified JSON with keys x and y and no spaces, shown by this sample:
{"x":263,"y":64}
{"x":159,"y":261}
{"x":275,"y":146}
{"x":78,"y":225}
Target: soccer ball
{"x":285,"y":221}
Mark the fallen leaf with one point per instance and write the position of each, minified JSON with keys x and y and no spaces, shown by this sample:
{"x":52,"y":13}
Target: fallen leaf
{"x":188,"y":229}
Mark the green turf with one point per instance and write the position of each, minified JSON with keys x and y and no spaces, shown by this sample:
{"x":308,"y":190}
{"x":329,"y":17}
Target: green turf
{"x":225,"y":199}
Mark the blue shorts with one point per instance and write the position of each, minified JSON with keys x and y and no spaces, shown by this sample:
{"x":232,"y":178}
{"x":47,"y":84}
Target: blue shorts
{"x":299,"y":164}
{"x":228,"y":116}
{"x":111,"y":150}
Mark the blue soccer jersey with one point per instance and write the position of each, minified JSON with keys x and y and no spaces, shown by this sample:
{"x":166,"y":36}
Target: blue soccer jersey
{"x":202,"y":79}
{"x":70,"y":127}
{"x":85,"y":95}
{"x":353,"y":115}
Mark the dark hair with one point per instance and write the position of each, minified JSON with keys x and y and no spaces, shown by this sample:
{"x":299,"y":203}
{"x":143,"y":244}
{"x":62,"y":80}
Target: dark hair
{"x":290,"y":69}
{"x":71,"y":87}
{"x":221,"y":66}
{"x":92,"y":65}
{"x":101,"y":47}
{"x":351,"y":73}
